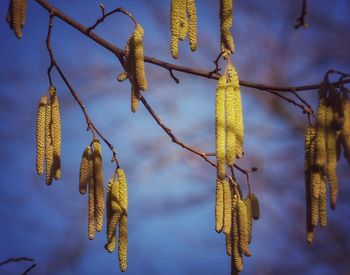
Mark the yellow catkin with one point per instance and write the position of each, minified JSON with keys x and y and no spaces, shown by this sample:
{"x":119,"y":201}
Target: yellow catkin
{"x":40,"y":136}
{"x":227,"y":207}
{"x":98,"y":178}
{"x":56,"y":132}
{"x":230,"y":117}
{"x":315,"y":189}
{"x":192,"y":23}
{"x":48,"y":144}
{"x":175,"y":26}
{"x":123,"y":243}
{"x":320,"y":158}
{"x":323,"y":203}
{"x":345,"y":131}
{"x":310,"y":235}
{"x":91,"y":202}
{"x":84,"y":170}
{"x":243,"y":228}
{"x":255,"y":206}
{"x":16,"y":16}
{"x":228,"y":244}
{"x":122,"y":76}
{"x":135,"y":95}
{"x":249,"y":218}
{"x":219,"y":206}
{"x":183,"y":27}
{"x":220,"y":127}
{"x":123,"y":190}
{"x":111,"y":230}
{"x":236,"y":259}
{"x":139,"y":59}
{"x":227,"y":45}
{"x":331,"y":142}
{"x":239,"y":128}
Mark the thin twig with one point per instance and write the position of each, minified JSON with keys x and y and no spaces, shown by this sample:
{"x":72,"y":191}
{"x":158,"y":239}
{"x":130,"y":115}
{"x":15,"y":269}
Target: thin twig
{"x":301,"y":20}
{"x":20,"y":259}
{"x":28,"y":269}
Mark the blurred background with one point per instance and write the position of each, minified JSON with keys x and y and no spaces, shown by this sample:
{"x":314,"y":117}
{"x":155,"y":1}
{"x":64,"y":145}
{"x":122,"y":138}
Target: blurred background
{"x":171,"y":191}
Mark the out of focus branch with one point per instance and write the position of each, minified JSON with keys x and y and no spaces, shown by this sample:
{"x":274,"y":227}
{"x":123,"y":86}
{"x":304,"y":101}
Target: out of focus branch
{"x":20,"y":259}
{"x":301,"y":20}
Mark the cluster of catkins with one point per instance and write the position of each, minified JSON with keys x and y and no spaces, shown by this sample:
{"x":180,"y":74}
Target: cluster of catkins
{"x":323,"y":144}
{"x":48,"y":137}
{"x":135,"y":66}
{"x":91,"y":179}
{"x":183,"y":21}
{"x":16,"y":16}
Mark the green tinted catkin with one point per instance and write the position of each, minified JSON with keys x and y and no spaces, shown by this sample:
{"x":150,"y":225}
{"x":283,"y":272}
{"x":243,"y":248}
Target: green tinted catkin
{"x":219,"y":206}
{"x":236,"y":258}
{"x":40,"y":136}
{"x":183,"y":27}
{"x":227,"y":45}
{"x":123,"y":190}
{"x":192,"y":23}
{"x":227,"y":207}
{"x":98,"y":179}
{"x":84,"y":170}
{"x":243,"y":228}
{"x":231,"y":119}
{"x":139,"y":58}
{"x":56,"y":132}
{"x":249,"y":218}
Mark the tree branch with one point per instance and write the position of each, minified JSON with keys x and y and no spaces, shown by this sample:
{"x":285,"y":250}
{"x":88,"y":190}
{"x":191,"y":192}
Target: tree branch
{"x":301,"y":20}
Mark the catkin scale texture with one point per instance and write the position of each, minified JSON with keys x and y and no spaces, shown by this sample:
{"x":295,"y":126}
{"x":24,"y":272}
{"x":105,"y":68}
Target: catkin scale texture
{"x":227,"y":44}
{"x":345,"y":132}
{"x":321,"y":154}
{"x":192,"y":23}
{"x":123,"y":190}
{"x":249,"y":218}
{"x":219,"y":206}
{"x":84,"y":170}
{"x":16,"y":16}
{"x":123,"y":243}
{"x":40,"y":136}
{"x":227,"y":207}
{"x":56,"y":133}
{"x":255,"y":206}
{"x":183,"y":27}
{"x":175,"y":26}
{"x":112,"y":223}
{"x":243,"y":228}
{"x":236,"y":258}
{"x":91,"y":201}
{"x":139,"y":58}
{"x":323,"y":203}
{"x":98,"y":178}
{"x":220,"y":127}
{"x":230,"y":118}
{"x":48,"y":144}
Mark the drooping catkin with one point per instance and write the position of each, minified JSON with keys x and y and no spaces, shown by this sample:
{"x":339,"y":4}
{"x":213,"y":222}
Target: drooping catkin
{"x":323,"y":203}
{"x":16,"y":16}
{"x":230,"y":118}
{"x":183,"y":21}
{"x":228,"y":244}
{"x":255,"y":206}
{"x":227,"y":207}
{"x":175,"y":9}
{"x":192,"y":23}
{"x":243,"y":228}
{"x":98,"y":179}
{"x":321,"y":155}
{"x":219,"y":206}
{"x":123,"y":243}
{"x":56,"y":132}
{"x":40,"y":136}
{"x":236,"y":258}
{"x":345,"y":131}
{"x":91,"y":201}
{"x":227,"y":45}
{"x":122,"y":76}
{"x":248,"y":206}
{"x":331,"y":146}
{"x":139,"y":58}
{"x":48,"y":144}
{"x":220,"y":127}
{"x":123,"y":191}
{"x":84,"y":170}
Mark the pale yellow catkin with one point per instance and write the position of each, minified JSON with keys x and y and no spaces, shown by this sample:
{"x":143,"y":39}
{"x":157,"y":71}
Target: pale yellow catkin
{"x":48,"y":144}
{"x":236,"y":258}
{"x":183,"y":27}
{"x":248,"y":205}
{"x":323,"y":203}
{"x":227,"y":207}
{"x":345,"y":131}
{"x":139,"y":58}
{"x":192,"y":23}
{"x":219,"y":206}
{"x":123,"y":190}
{"x":243,"y":228}
{"x":228,"y":244}
{"x":331,"y":146}
{"x":84,"y":170}
{"x":230,"y":117}
{"x":56,"y":132}
{"x":40,"y":136}
{"x":98,"y":179}
{"x":91,"y":201}
{"x":122,"y":76}
{"x":175,"y":8}
{"x":220,"y":127}
{"x":123,"y":243}
{"x":227,"y":45}
{"x":321,"y":156}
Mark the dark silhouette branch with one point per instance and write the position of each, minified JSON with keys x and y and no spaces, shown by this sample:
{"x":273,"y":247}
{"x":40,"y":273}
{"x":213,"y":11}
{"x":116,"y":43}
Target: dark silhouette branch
{"x":301,"y":20}
{"x":20,"y":259}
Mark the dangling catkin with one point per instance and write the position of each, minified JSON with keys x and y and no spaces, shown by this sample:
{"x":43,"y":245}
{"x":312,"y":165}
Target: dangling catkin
{"x":320,"y":158}
{"x":139,"y":59}
{"x":123,"y":190}
{"x":192,"y":23}
{"x":183,"y":21}
{"x":92,"y":215}
{"x":230,"y":118}
{"x":16,"y":16}
{"x":315,"y":191}
{"x":331,"y":142}
{"x":227,"y":45}
{"x":219,"y":206}
{"x":48,"y":144}
{"x":122,"y":76}
{"x":249,"y":218}
{"x":40,"y":136}
{"x":255,"y":206}
{"x":243,"y":228}
{"x":228,"y":244}
{"x":123,"y":243}
{"x":323,"y":203}
{"x":220,"y":127}
{"x":345,"y":132}
{"x":175,"y":9}
{"x":84,"y":170}
{"x":56,"y":132}
{"x":98,"y":178}
{"x":227,"y":207}
{"x":236,"y":258}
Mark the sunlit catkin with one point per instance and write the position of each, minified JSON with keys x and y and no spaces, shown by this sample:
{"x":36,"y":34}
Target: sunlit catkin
{"x":323,"y":203}
{"x":220,"y":127}
{"x":321,"y":156}
{"x":183,"y":27}
{"x":123,"y":243}
{"x":16,"y":16}
{"x":139,"y":58}
{"x":255,"y":206}
{"x":192,"y":23}
{"x":243,"y":228}
{"x":48,"y":144}
{"x":123,"y":190}
{"x":84,"y":170}
{"x":345,"y":131}
{"x":227,"y":207}
{"x":219,"y":206}
{"x":122,"y":76}
{"x":175,"y":9}
{"x":248,"y":206}
{"x":40,"y":136}
{"x":236,"y":258}
{"x":227,"y":45}
{"x":98,"y":178}
{"x":56,"y":132}
{"x":228,"y":244}
{"x":91,"y":201}
{"x":315,"y":195}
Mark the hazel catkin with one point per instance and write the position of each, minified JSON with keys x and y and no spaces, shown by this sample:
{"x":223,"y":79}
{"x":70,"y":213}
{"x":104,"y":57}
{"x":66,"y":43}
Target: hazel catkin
{"x":16,"y":16}
{"x":255,"y":206}
{"x":175,"y":9}
{"x":219,"y":206}
{"x":243,"y":228}
{"x":231,"y":118}
{"x":227,"y":45}
{"x":345,"y":131}
{"x":123,"y":243}
{"x":91,"y":201}
{"x":98,"y":179}
{"x":48,"y":144}
{"x":40,"y":136}
{"x":320,"y":157}
{"x":227,"y":222}
{"x":84,"y":170}
{"x":192,"y":23}
{"x":139,"y":59}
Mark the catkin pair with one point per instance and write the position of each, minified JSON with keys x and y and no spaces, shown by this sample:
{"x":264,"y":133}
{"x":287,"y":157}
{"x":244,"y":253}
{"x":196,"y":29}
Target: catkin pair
{"x":183,"y":21}
{"x":117,"y":208}
{"x":16,"y":16}
{"x":227,"y":44}
{"x":91,"y":178}
{"x":135,"y":66}
{"x":48,"y":137}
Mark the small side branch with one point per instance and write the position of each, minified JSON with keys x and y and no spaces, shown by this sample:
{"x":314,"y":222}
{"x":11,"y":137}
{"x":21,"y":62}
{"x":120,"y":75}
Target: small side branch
{"x":301,"y":20}
{"x":20,"y":259}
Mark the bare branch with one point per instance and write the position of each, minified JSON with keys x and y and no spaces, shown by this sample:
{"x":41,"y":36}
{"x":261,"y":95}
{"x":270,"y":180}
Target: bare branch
{"x":301,"y":20}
